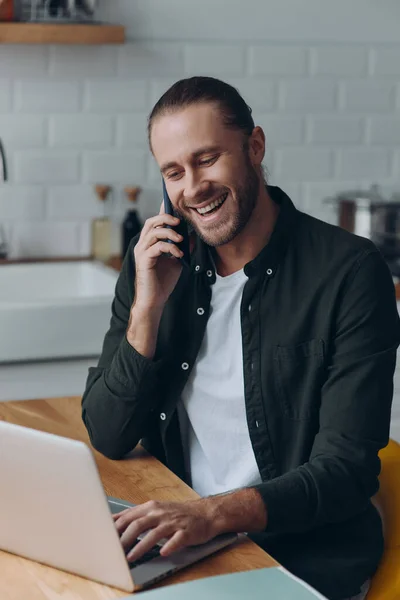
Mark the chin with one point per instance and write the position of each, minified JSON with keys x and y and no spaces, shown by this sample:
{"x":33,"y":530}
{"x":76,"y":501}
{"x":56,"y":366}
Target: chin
{"x":218,"y":237}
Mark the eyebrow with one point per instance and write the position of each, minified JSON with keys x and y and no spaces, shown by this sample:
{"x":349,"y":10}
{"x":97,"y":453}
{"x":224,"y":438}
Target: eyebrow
{"x":205,"y":150}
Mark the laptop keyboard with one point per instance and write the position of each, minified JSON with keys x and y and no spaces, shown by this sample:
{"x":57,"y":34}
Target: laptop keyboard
{"x":153,"y":553}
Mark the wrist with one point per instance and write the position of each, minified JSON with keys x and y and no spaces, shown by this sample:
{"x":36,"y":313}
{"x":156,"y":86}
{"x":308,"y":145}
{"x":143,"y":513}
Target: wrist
{"x":240,"y":511}
{"x":142,"y":330}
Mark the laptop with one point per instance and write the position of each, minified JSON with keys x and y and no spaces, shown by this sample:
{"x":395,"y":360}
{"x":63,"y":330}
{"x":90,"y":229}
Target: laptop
{"x":53,"y":509}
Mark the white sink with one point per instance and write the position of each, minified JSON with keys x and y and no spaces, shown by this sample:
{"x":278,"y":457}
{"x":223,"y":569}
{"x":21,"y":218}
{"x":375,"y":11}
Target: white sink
{"x":54,"y":310}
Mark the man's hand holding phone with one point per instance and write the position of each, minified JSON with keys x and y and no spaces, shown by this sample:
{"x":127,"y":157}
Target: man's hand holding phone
{"x":158,"y":269}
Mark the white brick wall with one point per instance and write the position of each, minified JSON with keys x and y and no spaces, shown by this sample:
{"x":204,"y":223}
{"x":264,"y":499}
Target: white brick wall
{"x":70,"y":117}
{"x":81,"y":131}
{"x":278,"y":60}
{"x":5,"y":95}
{"x":214,"y":59}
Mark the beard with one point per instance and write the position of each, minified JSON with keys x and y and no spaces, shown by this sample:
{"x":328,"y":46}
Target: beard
{"x":244,"y":202}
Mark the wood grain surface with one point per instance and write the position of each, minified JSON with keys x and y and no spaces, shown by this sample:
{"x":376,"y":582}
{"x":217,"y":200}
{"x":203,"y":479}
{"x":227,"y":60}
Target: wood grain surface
{"x":138,"y":478}
{"x":64,"y":33}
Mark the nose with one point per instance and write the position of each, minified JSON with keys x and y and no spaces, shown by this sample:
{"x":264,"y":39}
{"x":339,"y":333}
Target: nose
{"x":193,"y":186}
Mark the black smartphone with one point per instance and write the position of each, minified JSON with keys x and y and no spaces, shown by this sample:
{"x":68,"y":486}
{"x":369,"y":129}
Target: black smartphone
{"x":182,"y":228}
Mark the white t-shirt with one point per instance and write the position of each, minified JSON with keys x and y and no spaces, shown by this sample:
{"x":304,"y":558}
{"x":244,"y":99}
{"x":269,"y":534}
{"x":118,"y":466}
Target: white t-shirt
{"x":218,"y":453}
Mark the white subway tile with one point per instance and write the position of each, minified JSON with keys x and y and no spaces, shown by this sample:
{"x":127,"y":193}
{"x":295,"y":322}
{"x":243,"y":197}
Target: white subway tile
{"x":259,"y":94}
{"x":44,"y":96}
{"x":20,"y":60}
{"x":114,"y":167}
{"x":153,"y":173}
{"x":81,"y":131}
{"x":303,"y":164}
{"x":397,"y":168}
{"x":387,"y":61}
{"x":278,"y":60}
{"x":214,"y":59}
{"x":364,"y":163}
{"x":46,"y":167}
{"x":113,"y":95}
{"x":83,"y":61}
{"x":23,"y":131}
{"x":308,"y":95}
{"x":385,"y":130}
{"x":5,"y":95}
{"x":40,"y":240}
{"x":75,"y":202}
{"x":282,"y":130}
{"x":369,"y":95}
{"x":132,"y":130}
{"x":22,"y":202}
{"x":337,"y":130}
{"x":340,"y":60}
{"x":149,"y":60}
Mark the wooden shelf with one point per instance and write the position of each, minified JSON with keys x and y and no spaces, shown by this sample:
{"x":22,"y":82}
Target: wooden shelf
{"x":61,"y":33}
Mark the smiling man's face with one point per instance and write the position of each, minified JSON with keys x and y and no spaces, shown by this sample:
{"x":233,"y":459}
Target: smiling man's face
{"x":212,"y":176}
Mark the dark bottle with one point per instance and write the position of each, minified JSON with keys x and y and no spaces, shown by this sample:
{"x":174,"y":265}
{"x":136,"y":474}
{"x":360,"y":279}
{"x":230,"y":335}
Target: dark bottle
{"x":132,"y":224}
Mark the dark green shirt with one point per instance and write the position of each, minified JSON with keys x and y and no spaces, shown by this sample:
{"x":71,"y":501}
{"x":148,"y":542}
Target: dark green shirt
{"x":320,"y":331}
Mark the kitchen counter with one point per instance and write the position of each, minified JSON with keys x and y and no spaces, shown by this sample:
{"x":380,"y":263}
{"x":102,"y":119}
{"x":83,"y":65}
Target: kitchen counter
{"x":115,"y":261}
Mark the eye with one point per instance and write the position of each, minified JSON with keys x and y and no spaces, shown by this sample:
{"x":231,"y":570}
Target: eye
{"x":208,"y":161}
{"x":173,"y":175}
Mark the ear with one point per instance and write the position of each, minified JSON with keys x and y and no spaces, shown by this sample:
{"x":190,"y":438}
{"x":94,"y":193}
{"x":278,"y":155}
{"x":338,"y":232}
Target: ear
{"x":257,"y":146}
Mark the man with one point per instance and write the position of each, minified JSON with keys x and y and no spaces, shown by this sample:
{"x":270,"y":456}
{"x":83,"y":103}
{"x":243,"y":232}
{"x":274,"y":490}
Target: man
{"x":263,"y":373}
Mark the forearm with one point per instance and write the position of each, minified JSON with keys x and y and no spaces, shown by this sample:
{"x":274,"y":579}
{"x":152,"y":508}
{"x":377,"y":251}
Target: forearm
{"x":143,"y":329}
{"x":118,"y":401}
{"x":240,"y":511}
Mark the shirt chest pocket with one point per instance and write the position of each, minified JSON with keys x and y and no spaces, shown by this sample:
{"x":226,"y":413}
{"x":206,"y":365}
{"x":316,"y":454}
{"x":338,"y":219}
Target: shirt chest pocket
{"x":299,"y":375}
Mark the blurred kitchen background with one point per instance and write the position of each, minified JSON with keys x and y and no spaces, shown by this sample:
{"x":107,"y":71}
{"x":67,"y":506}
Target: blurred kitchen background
{"x":322,"y":77}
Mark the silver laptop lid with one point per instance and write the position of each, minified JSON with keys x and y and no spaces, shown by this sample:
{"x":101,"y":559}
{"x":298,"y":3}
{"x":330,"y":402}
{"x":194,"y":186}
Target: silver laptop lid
{"x":54,"y":509}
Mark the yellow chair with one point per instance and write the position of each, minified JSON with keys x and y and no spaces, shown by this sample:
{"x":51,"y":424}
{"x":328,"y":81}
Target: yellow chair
{"x":385,"y":584}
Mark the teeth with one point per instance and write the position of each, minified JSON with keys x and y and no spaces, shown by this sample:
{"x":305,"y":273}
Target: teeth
{"x":214,"y":204}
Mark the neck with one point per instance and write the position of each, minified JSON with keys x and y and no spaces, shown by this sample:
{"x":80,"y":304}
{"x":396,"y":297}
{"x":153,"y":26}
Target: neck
{"x":233,"y":256}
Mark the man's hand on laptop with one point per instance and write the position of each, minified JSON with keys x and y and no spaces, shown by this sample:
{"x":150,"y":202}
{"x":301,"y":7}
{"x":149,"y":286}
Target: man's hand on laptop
{"x":189,"y":523}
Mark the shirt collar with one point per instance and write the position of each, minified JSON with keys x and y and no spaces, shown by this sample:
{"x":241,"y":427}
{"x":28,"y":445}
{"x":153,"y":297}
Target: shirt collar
{"x":270,"y":256}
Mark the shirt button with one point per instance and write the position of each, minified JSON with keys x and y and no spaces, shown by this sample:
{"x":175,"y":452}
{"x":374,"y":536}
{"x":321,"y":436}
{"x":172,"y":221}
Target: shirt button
{"x":185,"y":366}
{"x":200,"y":311}
{"x":269,"y":271}
{"x":249,"y":307}
{"x":197,"y":268}
{"x":257,"y":424}
{"x":209,"y":273}
{"x":163,"y":416}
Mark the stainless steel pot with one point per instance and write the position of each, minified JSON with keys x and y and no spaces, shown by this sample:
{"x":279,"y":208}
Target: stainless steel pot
{"x":385,"y":228}
{"x":354,"y":209}
{"x":371,"y":215}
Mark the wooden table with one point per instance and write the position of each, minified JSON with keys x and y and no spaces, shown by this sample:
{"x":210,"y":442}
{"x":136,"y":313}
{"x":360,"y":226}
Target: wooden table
{"x":137,"y":479}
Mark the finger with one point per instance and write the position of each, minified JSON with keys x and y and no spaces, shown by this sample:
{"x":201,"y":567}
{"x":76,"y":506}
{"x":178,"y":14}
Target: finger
{"x":134,"y":529}
{"x":131,"y":514}
{"x":160,"y":220}
{"x":163,"y":233}
{"x":116,"y":516}
{"x":175,"y":543}
{"x":149,"y":541}
{"x":164,"y":248}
